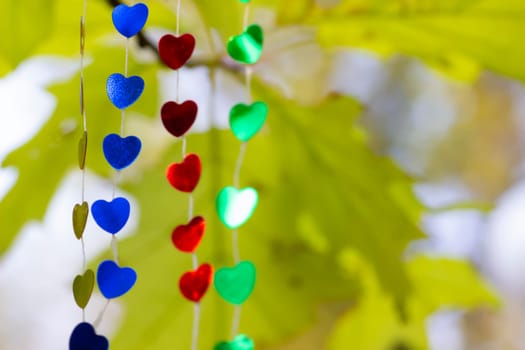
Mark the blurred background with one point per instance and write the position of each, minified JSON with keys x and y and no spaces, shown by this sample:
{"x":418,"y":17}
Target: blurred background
{"x":390,"y":174}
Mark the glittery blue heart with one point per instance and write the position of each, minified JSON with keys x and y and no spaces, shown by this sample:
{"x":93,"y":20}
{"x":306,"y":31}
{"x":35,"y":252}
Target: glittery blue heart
{"x":85,"y":338}
{"x":121,"y":152}
{"x":114,"y":281}
{"x":122,"y":91}
{"x":111,"y":216}
{"x":129,"y":20}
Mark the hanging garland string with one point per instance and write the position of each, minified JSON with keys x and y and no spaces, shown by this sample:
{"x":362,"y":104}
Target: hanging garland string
{"x":120,"y":152}
{"x":235,"y":205}
{"x":178,"y":118}
{"x":83,"y":336}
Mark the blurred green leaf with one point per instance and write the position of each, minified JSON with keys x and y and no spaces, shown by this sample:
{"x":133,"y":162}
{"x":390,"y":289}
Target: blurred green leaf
{"x":454,"y":36}
{"x":214,"y":16}
{"x":441,"y":282}
{"x":23,"y":24}
{"x":374,"y":322}
{"x":484,"y":207}
{"x":336,"y":166}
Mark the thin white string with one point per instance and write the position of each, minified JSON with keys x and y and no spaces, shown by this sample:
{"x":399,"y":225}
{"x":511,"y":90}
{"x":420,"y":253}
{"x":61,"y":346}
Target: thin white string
{"x":248,"y":77}
{"x":248,"y":74}
{"x":114,"y":248}
{"x":238,"y":165}
{"x":184,"y":146}
{"x":83,"y":181}
{"x":246,"y":15}
{"x":190,"y":207}
{"x":235,"y":246}
{"x":177,"y":84}
{"x":177,"y":33}
{"x":195,"y":262}
{"x":196,"y":322}
{"x":236,"y":321}
{"x":116,"y":181}
{"x":84,"y":125}
{"x":122,"y":120}
{"x":82,"y":47}
{"x":127,"y":58}
{"x":84,"y":11}
{"x":248,"y":69}
{"x":116,"y":178}
{"x":84,"y":263}
{"x":101,"y":314}
{"x":123,"y":115}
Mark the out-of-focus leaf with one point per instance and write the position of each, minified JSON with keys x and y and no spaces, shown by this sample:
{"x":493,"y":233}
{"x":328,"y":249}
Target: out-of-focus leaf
{"x":288,"y":12}
{"x":484,"y":207}
{"x":455,"y":36}
{"x":374,"y":322}
{"x":376,"y":210}
{"x":23,"y":24}
{"x":440,"y":282}
{"x":64,"y":36}
{"x":224,"y":16}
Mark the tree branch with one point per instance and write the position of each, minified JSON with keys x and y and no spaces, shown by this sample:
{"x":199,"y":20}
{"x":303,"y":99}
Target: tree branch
{"x":212,"y":62}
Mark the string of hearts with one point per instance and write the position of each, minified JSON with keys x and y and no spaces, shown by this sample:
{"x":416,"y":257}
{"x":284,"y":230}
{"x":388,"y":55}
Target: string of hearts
{"x":236,"y":205}
{"x":111,"y":216}
{"x":83,"y":284}
{"x":178,"y":118}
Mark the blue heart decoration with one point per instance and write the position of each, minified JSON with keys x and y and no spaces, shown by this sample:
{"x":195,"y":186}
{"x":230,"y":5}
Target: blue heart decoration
{"x":121,"y":152}
{"x":85,"y":338}
{"x":129,"y":20}
{"x":111,"y":216}
{"x":114,"y":281}
{"x":122,"y":91}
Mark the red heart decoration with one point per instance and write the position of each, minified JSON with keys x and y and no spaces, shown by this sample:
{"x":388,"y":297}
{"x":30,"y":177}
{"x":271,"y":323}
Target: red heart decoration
{"x":194,"y":284}
{"x":185,"y":176}
{"x":178,"y":118}
{"x":176,"y":51}
{"x":187,"y":237}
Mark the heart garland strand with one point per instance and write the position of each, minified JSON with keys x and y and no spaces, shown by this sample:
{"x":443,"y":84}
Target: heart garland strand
{"x":120,"y":152}
{"x":178,"y":118}
{"x":236,"y":205}
{"x":83,"y":335}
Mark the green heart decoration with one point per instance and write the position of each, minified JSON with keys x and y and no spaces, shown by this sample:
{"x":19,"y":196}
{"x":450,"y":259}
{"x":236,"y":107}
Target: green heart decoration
{"x":83,"y":288}
{"x":247,"y":47}
{"x":235,"y":284}
{"x":236,"y":206}
{"x":247,"y":120}
{"x":240,"y":342}
{"x":82,"y":150}
{"x":80,"y":216}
